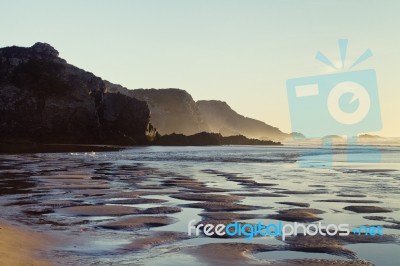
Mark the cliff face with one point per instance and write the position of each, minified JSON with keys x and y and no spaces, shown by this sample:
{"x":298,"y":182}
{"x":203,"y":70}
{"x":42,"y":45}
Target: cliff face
{"x":220,"y":118}
{"x":172,"y":110}
{"x":45,"y":99}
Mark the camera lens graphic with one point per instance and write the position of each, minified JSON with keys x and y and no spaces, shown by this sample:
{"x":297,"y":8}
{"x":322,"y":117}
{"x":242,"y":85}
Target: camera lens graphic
{"x":359,"y":93}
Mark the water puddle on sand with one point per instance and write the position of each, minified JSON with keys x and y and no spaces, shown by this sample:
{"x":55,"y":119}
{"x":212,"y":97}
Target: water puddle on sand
{"x":379,"y":254}
{"x":97,"y":247}
{"x":192,"y":170}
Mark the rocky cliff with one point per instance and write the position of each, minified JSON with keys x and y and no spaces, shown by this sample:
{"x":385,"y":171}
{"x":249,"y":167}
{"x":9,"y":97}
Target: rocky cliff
{"x":172,"y":110}
{"x":220,"y":118}
{"x":44,"y":99}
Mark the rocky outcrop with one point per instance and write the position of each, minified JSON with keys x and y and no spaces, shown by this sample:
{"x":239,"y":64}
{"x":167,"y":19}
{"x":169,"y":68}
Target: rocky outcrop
{"x":205,"y":138}
{"x":124,"y":118}
{"x":220,"y":118}
{"x":44,"y":99}
{"x":172,"y":110}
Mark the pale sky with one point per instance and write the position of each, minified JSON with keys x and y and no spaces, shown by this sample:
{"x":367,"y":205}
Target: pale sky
{"x":241,"y":52}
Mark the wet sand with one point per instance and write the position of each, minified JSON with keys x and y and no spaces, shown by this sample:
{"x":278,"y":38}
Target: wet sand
{"x":130,"y":211}
{"x":20,"y":246}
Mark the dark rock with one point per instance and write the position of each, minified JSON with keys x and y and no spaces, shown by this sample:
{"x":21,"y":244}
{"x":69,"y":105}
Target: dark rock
{"x":123,"y":118}
{"x":204,"y":138}
{"x":172,"y":110}
{"x":44,"y":99}
{"x":45,"y":49}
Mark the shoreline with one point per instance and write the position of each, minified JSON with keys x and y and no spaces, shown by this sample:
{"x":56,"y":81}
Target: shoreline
{"x":20,"y":148}
{"x":17,"y":148}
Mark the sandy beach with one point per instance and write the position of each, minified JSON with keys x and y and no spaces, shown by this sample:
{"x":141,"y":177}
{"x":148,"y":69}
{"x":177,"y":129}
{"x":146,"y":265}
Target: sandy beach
{"x":21,"y":246}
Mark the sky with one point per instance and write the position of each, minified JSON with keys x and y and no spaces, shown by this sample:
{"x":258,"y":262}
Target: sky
{"x":238,"y":51}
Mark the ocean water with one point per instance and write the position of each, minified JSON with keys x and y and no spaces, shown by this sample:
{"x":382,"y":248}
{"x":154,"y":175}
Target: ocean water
{"x":305,"y":174}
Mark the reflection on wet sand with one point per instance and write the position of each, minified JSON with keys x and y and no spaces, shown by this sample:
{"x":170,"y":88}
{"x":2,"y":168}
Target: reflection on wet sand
{"x":133,"y":206}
